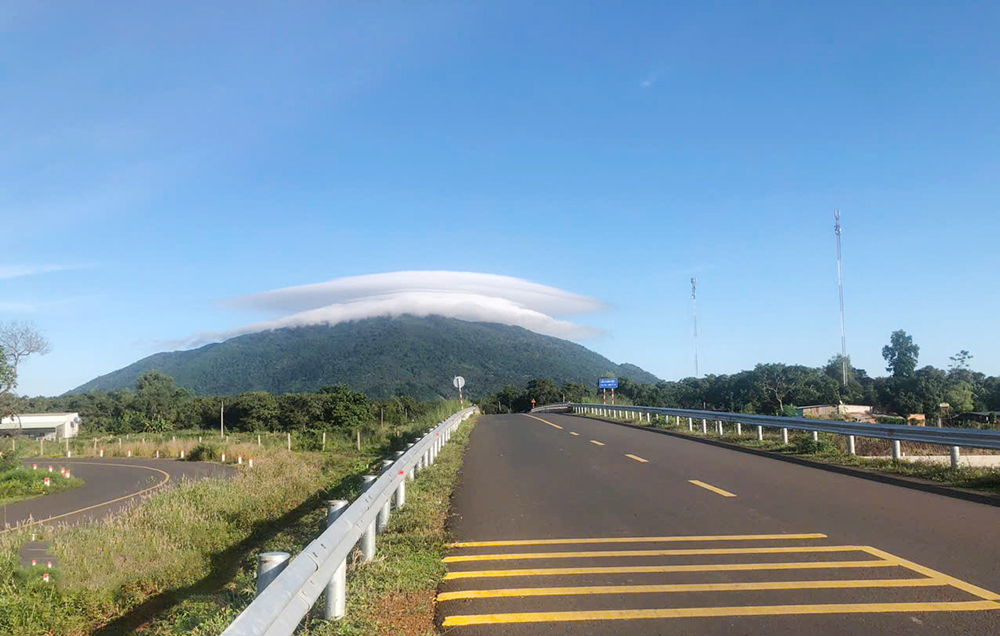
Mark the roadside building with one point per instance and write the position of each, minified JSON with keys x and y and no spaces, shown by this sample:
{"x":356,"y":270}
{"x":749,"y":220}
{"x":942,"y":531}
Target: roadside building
{"x":856,"y":412}
{"x":48,"y":426}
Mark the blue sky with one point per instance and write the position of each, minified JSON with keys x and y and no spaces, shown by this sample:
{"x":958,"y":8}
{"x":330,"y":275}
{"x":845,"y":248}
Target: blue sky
{"x":157,"y":159}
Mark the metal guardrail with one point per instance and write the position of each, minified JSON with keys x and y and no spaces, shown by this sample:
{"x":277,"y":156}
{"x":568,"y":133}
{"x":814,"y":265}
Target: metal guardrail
{"x":284,"y":597}
{"x":951,"y":437}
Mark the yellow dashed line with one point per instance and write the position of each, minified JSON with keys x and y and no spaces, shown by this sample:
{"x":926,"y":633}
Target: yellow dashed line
{"x":706,"y":612}
{"x":574,"y":433}
{"x":637,"y":458}
{"x":600,"y":554}
{"x":545,"y":422}
{"x":718,"y":491}
{"x":681,"y":538}
{"x":594,"y":441}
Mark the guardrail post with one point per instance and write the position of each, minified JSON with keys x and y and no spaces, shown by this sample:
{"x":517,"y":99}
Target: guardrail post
{"x":368,"y":538}
{"x":704,"y":426}
{"x":336,"y":589}
{"x":382,"y":519}
{"x":955,"y":455}
{"x":401,"y":494}
{"x":269,"y":566}
{"x":720,"y":427}
{"x":815,"y":436}
{"x":895,"y":450}
{"x":760,"y":433}
{"x":850,"y":445}
{"x":690,"y":424}
{"x":739,"y":429}
{"x":784,"y":436}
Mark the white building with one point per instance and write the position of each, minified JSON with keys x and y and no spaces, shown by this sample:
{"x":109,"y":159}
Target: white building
{"x":42,"y":425}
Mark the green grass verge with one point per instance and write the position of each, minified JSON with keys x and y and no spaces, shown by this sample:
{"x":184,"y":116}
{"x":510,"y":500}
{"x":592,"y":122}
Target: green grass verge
{"x":18,"y":484}
{"x":828,"y":449}
{"x":394,"y":594}
{"x":179,"y":562}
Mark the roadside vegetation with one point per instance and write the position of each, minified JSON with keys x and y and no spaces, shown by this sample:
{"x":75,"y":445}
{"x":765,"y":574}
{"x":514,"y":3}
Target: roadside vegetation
{"x":189,"y":542}
{"x":18,"y":483}
{"x":394,"y":594}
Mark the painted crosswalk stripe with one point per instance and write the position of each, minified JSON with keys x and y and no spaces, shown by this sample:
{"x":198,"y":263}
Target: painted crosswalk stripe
{"x":658,"y":569}
{"x":598,"y":554}
{"x":692,"y":587}
{"x":666,"y":539}
{"x":708,"y":612}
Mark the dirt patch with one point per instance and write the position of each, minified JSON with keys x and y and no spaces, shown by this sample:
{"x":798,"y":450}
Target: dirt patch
{"x":410,"y":614}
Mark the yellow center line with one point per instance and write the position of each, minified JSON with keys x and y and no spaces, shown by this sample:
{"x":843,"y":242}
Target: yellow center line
{"x":690,"y":587}
{"x":910,"y":565}
{"x":103,"y":503}
{"x":659,"y":569}
{"x":705,"y":612}
{"x":594,"y":441}
{"x":545,"y":422}
{"x":681,"y":538}
{"x":598,"y":554}
{"x":574,"y":433}
{"x":637,"y":458}
{"x":718,"y":491}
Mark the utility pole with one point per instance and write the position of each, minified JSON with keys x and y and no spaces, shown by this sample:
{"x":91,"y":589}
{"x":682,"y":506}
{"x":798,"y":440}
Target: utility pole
{"x":694,"y":314}
{"x":840,"y":284}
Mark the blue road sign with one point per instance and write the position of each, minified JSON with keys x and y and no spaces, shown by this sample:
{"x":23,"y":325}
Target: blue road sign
{"x":607,"y":383}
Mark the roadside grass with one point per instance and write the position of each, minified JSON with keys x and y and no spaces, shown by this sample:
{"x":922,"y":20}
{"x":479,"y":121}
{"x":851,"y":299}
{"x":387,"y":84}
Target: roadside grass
{"x":19,"y":484}
{"x":832,"y":449}
{"x":183,"y":549}
{"x":394,"y":594}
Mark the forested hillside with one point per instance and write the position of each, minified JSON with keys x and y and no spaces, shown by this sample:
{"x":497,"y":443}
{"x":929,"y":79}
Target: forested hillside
{"x":381,"y":357}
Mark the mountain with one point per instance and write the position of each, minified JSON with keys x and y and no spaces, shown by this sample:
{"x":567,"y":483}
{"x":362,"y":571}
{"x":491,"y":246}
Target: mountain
{"x":405,"y":355}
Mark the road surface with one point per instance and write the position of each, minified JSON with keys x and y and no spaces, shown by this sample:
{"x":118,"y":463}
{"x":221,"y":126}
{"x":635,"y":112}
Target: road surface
{"x":109,"y":485}
{"x":566,"y":525}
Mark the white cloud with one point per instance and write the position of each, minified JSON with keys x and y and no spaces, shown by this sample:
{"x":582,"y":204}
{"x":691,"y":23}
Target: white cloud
{"x":17,"y":271}
{"x":16,"y":307}
{"x":464,"y":295}
{"x":650,"y":80}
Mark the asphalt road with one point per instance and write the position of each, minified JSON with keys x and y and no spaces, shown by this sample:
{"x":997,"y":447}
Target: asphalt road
{"x":593,"y":528}
{"x":109,"y":485}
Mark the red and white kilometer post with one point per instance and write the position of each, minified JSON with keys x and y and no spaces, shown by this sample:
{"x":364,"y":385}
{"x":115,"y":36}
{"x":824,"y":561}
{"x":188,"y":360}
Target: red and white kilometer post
{"x":605,"y":396}
{"x":612,"y":396}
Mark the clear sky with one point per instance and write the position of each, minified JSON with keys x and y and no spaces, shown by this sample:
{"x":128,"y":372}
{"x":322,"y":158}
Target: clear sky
{"x":158,"y":157}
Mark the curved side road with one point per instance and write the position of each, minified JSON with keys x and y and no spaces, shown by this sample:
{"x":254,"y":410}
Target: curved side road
{"x":109,"y":486}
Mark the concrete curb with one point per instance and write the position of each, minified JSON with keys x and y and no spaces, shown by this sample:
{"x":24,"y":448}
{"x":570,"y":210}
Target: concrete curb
{"x":895,"y":480}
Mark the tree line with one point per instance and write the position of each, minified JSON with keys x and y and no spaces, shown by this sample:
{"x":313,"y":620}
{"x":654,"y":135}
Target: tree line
{"x":157,"y":404}
{"x":776,"y":389}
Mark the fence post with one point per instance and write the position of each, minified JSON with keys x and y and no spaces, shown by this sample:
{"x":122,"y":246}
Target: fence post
{"x":850,"y":445}
{"x":269,"y":566}
{"x":368,"y":538}
{"x":955,"y":456}
{"x":336,"y":589}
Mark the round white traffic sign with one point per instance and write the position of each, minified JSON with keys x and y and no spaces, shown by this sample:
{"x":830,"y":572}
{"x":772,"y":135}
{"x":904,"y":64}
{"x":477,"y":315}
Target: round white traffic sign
{"x":459,"y":382}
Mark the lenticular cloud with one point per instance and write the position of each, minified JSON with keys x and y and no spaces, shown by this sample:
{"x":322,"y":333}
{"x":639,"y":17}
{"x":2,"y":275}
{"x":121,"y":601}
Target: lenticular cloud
{"x":462,"y":295}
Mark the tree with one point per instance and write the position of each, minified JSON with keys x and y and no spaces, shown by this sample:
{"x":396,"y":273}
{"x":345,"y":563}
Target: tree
{"x":156,"y":395}
{"x":901,"y":354}
{"x":773,"y":381}
{"x":18,"y":341}
{"x":960,"y":360}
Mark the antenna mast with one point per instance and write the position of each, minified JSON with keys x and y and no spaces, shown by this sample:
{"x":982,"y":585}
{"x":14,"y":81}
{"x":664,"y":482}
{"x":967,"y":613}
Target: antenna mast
{"x":840,"y":284}
{"x":694,"y":314}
